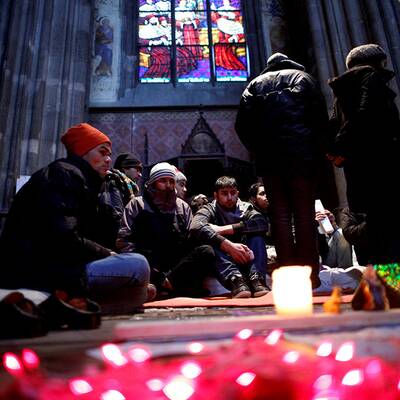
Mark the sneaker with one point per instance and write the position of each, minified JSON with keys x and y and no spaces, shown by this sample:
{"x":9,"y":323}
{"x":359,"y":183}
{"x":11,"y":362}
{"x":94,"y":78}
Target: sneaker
{"x":151,"y":292}
{"x":238,"y":287}
{"x":257,"y":285}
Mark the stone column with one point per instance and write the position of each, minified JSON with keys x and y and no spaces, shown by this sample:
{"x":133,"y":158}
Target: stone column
{"x":391,"y":24}
{"x":381,"y":18}
{"x":339,"y":25}
{"x":44,"y":69}
{"x":356,"y":22}
{"x":321,"y":46}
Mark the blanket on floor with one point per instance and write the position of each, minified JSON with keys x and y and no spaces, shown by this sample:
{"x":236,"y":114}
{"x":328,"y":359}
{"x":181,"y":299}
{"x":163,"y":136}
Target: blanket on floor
{"x":225,"y":301}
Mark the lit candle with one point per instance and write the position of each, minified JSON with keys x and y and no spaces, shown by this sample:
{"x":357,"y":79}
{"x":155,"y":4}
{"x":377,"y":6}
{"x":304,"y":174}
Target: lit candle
{"x":292,"y":291}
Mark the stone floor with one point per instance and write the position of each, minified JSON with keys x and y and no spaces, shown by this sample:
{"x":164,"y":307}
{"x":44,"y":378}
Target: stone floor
{"x":65,"y":354}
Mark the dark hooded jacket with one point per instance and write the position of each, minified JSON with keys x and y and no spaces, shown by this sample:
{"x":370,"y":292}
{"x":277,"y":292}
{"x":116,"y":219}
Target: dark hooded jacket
{"x":367,"y":126}
{"x":53,"y":228}
{"x":282,"y":118}
{"x":365,"y":116}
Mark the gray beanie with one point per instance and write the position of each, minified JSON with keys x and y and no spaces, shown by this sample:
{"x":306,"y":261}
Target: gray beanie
{"x":367,"y":54}
{"x":162,"y":170}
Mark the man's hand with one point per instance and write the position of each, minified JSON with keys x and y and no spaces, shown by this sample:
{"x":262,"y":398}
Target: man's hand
{"x":222,"y":230}
{"x":238,"y":251}
{"x":320,"y":215}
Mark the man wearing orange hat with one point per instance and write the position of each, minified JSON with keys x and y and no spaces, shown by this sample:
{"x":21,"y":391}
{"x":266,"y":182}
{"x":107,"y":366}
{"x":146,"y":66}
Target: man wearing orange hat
{"x":52,"y":238}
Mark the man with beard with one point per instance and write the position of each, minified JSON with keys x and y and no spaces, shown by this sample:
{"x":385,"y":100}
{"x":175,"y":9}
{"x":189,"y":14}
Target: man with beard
{"x":236,"y":231}
{"x":157,"y":226}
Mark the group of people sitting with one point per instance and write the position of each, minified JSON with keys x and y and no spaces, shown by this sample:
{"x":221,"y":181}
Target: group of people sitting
{"x":80,"y":226}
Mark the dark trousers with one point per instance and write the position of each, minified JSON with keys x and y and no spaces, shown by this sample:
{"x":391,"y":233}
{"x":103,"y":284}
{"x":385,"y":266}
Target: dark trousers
{"x":187,"y":277}
{"x":292,"y":211}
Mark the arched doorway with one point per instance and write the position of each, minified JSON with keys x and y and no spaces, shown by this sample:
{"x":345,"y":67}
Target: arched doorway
{"x":203,"y":160}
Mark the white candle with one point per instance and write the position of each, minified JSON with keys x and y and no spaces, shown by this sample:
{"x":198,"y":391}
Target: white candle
{"x":292,"y":291}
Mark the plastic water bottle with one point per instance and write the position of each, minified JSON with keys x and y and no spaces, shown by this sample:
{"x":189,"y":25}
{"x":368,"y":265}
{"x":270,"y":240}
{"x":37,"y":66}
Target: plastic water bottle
{"x":325,"y":224}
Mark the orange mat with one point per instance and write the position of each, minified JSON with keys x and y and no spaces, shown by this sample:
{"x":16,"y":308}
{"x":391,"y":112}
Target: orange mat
{"x":222,"y":301}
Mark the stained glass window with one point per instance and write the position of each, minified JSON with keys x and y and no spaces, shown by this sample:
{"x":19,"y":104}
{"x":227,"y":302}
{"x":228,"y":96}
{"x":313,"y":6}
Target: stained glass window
{"x":191,"y":41}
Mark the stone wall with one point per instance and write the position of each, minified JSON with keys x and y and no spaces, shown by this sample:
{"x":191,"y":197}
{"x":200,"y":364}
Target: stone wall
{"x":166,"y":132}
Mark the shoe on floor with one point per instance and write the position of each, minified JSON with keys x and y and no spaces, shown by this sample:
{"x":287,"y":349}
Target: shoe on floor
{"x":151,"y":292}
{"x":238,"y":287}
{"x":257,"y":285}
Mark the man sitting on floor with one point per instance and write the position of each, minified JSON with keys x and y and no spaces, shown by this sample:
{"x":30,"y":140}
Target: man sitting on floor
{"x":237,"y":233}
{"x":53,"y":235}
{"x":157,"y":226}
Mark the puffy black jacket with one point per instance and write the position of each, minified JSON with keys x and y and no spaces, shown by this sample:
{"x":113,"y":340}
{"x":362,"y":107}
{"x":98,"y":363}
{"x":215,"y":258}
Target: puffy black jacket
{"x":365,"y":117}
{"x":53,"y":228}
{"x":282,"y":118}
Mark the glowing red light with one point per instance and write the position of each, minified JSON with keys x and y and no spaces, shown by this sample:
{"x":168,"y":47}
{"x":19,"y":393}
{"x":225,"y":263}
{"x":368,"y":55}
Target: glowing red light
{"x":30,"y":359}
{"x":326,"y":396}
{"x":291,"y":357}
{"x":191,"y":370}
{"x":179,"y":388}
{"x":139,"y":354}
{"x":112,"y":354}
{"x":323,"y":382}
{"x":155,"y":385}
{"x":244,"y":334}
{"x":273,"y":337}
{"x":353,"y":378}
{"x":345,"y":352}
{"x":12,"y":363}
{"x":246,"y":378}
{"x":324,"y":349}
{"x":195,"y":347}
{"x":80,"y":386}
{"x":373,"y":367}
{"x":112,"y":395}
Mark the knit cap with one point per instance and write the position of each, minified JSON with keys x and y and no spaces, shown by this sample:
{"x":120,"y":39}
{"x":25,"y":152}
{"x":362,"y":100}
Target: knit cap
{"x":366,"y":54}
{"x":127,"y":160}
{"x":180,"y":176}
{"x":162,"y":170}
{"x":81,"y":138}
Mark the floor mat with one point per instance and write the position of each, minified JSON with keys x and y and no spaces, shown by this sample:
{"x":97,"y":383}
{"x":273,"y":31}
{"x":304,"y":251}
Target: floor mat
{"x":222,"y":301}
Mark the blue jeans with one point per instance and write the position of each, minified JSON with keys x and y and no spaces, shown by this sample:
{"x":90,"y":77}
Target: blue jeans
{"x":119,"y":282}
{"x":226,"y":267}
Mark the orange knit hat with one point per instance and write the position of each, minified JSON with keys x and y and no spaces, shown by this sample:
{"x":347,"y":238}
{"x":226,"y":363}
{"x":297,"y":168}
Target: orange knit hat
{"x":81,"y":138}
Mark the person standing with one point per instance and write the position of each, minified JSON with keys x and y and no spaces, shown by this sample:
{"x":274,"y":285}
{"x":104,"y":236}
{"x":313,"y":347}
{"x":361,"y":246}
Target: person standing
{"x":282,"y":118}
{"x":52,"y":238}
{"x":367,"y":126}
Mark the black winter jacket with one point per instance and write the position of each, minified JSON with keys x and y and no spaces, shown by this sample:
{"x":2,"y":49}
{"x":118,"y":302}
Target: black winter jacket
{"x":365,"y":117}
{"x":161,"y":237}
{"x":53,"y":228}
{"x":282,"y":118}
